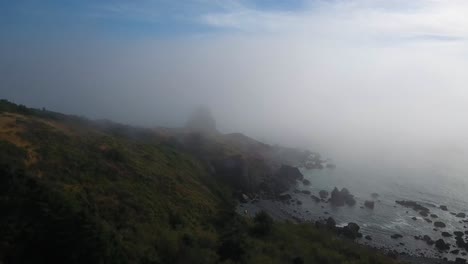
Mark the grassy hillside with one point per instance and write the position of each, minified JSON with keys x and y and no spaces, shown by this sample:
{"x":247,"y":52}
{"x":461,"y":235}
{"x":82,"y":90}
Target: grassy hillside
{"x":79,"y":191}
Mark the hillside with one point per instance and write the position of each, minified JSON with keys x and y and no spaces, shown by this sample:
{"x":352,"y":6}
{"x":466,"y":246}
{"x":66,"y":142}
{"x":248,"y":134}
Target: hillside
{"x":79,"y":191}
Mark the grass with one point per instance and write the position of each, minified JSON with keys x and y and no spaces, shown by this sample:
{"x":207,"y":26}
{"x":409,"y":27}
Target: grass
{"x":94,"y":194}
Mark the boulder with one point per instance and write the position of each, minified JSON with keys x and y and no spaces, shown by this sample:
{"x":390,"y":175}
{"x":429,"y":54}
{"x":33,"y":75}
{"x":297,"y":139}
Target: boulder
{"x":461,"y":215}
{"x":428,"y":240}
{"x":315,"y":198}
{"x":441,"y":245}
{"x":323,"y":194}
{"x":423,"y":213}
{"x":396,"y":236}
{"x":340,"y":198}
{"x":305,"y":192}
{"x":443,"y":208}
{"x":351,"y":231}
{"x":439,"y":224}
{"x":434,"y":216}
{"x":368,"y":237}
{"x":428,"y":220}
{"x":446,"y":234}
{"x":414,"y":218}
{"x":369,"y":204}
{"x":306,"y":182}
{"x":458,"y":233}
{"x":455,"y":251}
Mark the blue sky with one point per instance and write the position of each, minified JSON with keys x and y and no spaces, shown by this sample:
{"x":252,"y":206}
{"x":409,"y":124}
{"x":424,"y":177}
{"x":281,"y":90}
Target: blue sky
{"x":142,"y":17}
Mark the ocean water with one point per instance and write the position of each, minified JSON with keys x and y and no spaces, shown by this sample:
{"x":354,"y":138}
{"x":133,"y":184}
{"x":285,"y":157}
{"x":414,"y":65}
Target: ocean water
{"x":428,"y":178}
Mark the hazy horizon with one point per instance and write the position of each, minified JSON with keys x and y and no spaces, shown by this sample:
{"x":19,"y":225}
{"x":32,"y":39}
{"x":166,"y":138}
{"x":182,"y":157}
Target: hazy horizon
{"x":325,"y":74}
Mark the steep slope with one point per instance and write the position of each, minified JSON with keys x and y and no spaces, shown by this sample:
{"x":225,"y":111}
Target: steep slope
{"x":80,"y":191}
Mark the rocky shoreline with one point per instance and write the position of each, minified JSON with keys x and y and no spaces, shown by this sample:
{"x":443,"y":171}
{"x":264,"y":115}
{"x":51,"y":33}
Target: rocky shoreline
{"x":286,"y":207}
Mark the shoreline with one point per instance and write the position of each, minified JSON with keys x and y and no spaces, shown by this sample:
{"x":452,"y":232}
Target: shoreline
{"x":276,"y":209}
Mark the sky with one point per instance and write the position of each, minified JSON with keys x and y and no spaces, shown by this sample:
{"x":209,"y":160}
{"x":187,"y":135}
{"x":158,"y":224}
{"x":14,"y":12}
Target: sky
{"x":322,"y":73}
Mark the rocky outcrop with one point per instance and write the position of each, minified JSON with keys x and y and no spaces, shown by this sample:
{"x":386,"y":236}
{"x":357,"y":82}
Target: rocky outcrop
{"x":340,"y":198}
{"x":323,"y":194}
{"x":424,"y":211}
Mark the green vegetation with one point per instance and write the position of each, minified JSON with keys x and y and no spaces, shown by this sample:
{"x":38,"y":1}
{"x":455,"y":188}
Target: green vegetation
{"x":74,"y":191}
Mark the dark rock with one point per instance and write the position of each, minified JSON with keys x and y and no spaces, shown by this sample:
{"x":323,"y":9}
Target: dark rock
{"x":444,"y":208}
{"x":461,"y":215}
{"x":299,"y":202}
{"x":351,"y":231}
{"x":284,"y":197}
{"x":414,"y":218}
{"x":306,"y":182}
{"x":305,"y":192}
{"x":331,"y":223}
{"x":315,"y":198}
{"x":368,"y":237}
{"x":428,"y":240}
{"x":428,"y":220}
{"x":415,"y":206}
{"x":434,"y":216}
{"x":446,"y":234}
{"x":340,"y":198}
{"x":369,"y":204}
{"x":458,"y":233}
{"x":285,"y":177}
{"x":417,"y":237}
{"x":396,"y":236}
{"x":455,"y":251}
{"x":460,"y":261}
{"x":441,"y":245}
{"x":466,"y":232}
{"x":439,"y":224}
{"x":323,"y":194}
{"x":423,"y":213}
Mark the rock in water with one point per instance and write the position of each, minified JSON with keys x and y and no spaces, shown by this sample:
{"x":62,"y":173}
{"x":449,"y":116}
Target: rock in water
{"x":351,"y":231}
{"x":369,"y":204}
{"x":441,"y":245}
{"x":443,"y":208}
{"x":323,"y":194}
{"x":461,"y":215}
{"x":315,"y":198}
{"x":396,"y":236}
{"x":439,"y":224}
{"x":340,"y":198}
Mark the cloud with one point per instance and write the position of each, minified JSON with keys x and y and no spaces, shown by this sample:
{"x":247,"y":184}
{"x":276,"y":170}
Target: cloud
{"x":434,"y":20}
